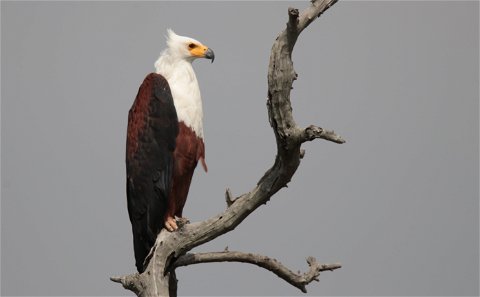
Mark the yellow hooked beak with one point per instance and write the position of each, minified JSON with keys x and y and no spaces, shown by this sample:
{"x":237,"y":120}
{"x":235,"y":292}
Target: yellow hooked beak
{"x":201,"y":51}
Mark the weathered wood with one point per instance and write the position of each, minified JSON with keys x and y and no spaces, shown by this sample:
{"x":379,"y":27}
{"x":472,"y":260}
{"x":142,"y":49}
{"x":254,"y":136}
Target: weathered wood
{"x":298,"y":280}
{"x":170,"y":249}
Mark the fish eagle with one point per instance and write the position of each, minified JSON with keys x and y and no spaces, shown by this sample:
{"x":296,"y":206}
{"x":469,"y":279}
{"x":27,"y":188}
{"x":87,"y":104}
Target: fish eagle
{"x":164,"y":142}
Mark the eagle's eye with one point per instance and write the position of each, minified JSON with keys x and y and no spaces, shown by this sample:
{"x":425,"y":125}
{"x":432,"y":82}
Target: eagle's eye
{"x":192,"y":46}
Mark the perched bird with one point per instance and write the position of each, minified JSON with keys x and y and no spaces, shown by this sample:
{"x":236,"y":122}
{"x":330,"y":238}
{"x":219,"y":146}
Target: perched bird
{"x":164,"y":142}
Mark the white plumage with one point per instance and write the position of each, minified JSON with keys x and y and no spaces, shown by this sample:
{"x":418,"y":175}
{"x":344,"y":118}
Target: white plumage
{"x":175,"y":64}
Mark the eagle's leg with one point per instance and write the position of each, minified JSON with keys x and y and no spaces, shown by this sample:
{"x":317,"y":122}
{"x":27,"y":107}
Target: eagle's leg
{"x":173,"y":217}
{"x":178,"y":196}
{"x":169,"y":218}
{"x":173,"y":223}
{"x":170,"y":223}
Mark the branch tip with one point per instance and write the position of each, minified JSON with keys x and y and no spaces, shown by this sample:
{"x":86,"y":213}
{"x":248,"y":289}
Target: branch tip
{"x":302,"y":153}
{"x":116,"y":279}
{"x":229,"y":197}
{"x":293,"y":20}
{"x":311,"y":260}
{"x":130,"y":282}
{"x":293,"y":12}
{"x":312,"y":132}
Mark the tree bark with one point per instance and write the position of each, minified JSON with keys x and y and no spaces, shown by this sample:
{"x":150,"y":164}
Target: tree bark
{"x":295,"y":279}
{"x":170,"y":249}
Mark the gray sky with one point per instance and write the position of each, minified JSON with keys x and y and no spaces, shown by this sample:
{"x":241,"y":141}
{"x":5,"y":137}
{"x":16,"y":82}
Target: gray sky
{"x":397,"y":204}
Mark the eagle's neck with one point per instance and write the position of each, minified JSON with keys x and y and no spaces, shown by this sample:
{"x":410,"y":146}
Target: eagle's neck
{"x":185,"y":90}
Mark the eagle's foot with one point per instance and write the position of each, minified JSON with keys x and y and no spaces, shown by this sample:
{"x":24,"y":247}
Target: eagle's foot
{"x":182,"y":221}
{"x":170,"y":224}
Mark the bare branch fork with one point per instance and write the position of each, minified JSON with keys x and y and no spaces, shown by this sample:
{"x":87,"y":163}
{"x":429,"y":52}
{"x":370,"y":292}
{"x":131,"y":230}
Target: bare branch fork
{"x":170,"y":249}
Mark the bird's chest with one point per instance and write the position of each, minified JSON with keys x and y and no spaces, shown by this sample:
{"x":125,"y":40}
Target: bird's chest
{"x":188,"y":105}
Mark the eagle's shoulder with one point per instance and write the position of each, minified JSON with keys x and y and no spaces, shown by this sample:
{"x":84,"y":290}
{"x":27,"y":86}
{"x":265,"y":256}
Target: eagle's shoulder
{"x":152,"y":115}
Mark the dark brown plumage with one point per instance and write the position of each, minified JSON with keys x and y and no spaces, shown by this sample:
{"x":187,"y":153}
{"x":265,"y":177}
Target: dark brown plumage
{"x":161,"y":156}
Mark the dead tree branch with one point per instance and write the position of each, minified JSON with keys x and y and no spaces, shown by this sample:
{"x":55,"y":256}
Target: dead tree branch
{"x":158,"y":279}
{"x":295,"y":279}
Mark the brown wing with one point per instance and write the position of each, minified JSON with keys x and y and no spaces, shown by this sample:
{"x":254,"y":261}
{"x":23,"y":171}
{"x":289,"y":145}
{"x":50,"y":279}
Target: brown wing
{"x":151,"y":138}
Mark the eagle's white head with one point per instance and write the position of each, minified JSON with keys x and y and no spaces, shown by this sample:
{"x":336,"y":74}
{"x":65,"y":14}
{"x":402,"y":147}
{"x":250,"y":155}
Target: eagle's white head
{"x":175,"y":64}
{"x":186,"y":48}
